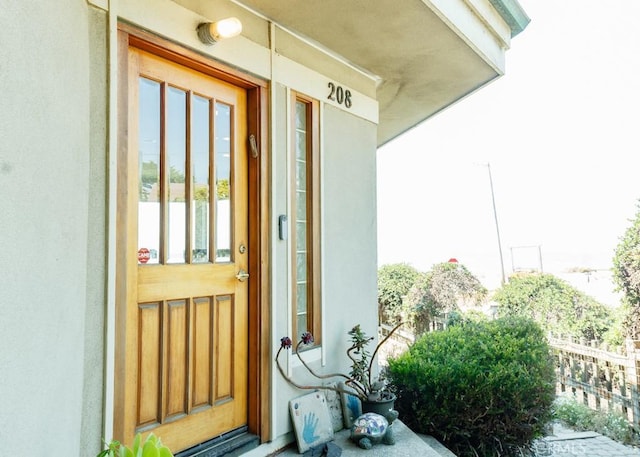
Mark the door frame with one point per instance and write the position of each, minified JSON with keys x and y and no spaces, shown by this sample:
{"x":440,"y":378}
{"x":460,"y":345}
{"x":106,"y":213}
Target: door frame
{"x":259,"y":401}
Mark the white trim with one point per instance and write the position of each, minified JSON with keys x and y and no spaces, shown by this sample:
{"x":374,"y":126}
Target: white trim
{"x":102,"y":4}
{"x":323,"y":307}
{"x":492,"y":19}
{"x":171,"y":20}
{"x":465,"y":18}
{"x":315,"y":85}
{"x":290,"y":224}
{"x":110,"y":314}
{"x":273,"y":245}
{"x":311,"y":355}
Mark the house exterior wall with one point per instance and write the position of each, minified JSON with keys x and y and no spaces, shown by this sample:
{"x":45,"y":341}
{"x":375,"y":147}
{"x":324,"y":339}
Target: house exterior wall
{"x":57,"y":218}
{"x":349,"y":263}
{"x":55,"y":178}
{"x":51,"y":250}
{"x":92,"y":430}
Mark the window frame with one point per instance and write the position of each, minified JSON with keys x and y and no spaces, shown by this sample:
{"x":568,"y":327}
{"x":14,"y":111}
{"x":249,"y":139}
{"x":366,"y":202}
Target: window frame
{"x":313,"y":253}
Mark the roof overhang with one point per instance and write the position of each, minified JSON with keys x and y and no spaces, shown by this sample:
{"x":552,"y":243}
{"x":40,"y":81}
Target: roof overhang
{"x":425,"y":54}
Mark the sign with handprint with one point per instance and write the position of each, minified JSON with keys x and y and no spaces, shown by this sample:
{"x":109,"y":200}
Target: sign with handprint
{"x":351,"y":405}
{"x":311,"y":420}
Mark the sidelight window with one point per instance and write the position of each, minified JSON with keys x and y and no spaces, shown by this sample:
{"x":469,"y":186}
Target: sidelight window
{"x":306,"y":221}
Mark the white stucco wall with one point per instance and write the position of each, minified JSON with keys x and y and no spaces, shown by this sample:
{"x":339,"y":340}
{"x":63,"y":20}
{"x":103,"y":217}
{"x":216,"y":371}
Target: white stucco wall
{"x":349,"y":224}
{"x":44,"y":183}
{"x":55,"y":355}
{"x":92,"y":432}
{"x":349,"y":263}
{"x":54,"y":191}
{"x":54,"y":226}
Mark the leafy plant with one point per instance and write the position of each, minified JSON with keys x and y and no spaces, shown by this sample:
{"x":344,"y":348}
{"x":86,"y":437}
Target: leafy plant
{"x":394,"y":282}
{"x":481,"y":388}
{"x":580,"y":417}
{"x":554,"y":304}
{"x":360,"y":377}
{"x":626,"y":274}
{"x":151,"y":447}
{"x":446,"y":288}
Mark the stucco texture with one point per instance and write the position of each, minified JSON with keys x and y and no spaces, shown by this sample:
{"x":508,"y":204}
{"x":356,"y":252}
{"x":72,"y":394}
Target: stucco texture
{"x":44,"y":204}
{"x":349,"y":225}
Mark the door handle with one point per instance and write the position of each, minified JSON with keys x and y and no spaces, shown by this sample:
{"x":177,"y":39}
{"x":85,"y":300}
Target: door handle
{"x":242,"y":275}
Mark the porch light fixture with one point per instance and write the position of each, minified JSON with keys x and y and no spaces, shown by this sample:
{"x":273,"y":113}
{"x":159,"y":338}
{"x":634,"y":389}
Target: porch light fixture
{"x":212,"y":32}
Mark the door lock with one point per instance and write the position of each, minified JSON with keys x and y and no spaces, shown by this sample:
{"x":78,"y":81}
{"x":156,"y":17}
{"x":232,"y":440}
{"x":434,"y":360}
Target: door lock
{"x":242,"y":275}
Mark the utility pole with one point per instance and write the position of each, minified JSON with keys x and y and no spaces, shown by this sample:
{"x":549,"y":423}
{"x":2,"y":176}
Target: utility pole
{"x":495,"y":217}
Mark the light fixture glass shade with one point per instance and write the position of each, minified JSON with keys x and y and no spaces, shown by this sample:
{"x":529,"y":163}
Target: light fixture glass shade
{"x":210,"y":32}
{"x":226,"y":28}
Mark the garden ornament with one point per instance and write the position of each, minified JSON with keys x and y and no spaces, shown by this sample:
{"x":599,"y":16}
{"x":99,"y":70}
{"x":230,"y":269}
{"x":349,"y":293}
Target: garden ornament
{"x":370,"y":429}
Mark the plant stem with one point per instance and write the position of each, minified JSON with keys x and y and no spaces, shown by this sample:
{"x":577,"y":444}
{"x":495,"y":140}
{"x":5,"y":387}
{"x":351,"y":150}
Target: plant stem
{"x":320,"y":376}
{"x":373,"y":356}
{"x":349,"y":382}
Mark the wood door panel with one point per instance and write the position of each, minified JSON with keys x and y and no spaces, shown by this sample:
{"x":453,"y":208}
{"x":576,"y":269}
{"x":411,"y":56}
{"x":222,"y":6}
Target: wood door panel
{"x":224,"y":311}
{"x":184,"y":360}
{"x":149,"y":363}
{"x":202,"y":369}
{"x":187,"y":353}
{"x":218,"y":335}
{"x":176,"y":360}
{"x":185,"y":78}
{"x":199,"y":280}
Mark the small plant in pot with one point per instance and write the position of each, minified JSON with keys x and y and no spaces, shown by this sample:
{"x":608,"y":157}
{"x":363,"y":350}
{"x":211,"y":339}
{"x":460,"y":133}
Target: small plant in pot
{"x":373,"y":393}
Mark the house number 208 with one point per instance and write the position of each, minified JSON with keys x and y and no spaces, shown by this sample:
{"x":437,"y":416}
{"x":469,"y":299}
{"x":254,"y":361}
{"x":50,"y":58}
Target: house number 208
{"x":339,"y":95}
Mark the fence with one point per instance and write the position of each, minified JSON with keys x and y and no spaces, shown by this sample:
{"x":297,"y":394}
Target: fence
{"x":601,"y":378}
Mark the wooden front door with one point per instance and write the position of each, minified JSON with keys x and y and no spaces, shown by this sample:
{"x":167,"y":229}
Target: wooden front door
{"x":184,"y":329}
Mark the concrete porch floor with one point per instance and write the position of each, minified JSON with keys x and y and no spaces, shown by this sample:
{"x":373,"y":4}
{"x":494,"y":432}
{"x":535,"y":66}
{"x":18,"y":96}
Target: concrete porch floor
{"x":408,"y":444}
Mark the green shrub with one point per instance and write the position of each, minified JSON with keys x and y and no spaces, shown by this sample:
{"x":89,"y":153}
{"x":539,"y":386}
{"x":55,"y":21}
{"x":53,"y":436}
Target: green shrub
{"x":394,"y":281}
{"x":554,"y":304}
{"x":573,"y":414}
{"x":482,"y":388}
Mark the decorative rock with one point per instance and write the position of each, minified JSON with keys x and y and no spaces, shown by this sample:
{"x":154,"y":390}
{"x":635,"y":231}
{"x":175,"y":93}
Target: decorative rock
{"x":370,"y":429}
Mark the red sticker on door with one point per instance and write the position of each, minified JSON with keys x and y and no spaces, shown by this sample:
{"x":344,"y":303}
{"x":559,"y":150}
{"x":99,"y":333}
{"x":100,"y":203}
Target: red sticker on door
{"x":143,"y":255}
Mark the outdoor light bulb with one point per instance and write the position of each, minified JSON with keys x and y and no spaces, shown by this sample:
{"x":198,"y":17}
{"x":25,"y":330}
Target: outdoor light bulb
{"x":226,"y":28}
{"x":210,"y":32}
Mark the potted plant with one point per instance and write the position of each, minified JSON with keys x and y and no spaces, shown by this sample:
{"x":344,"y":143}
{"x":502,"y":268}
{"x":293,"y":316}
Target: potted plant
{"x":372,"y":393}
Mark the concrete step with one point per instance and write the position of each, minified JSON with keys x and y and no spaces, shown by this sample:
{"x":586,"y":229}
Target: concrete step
{"x":408,"y":444}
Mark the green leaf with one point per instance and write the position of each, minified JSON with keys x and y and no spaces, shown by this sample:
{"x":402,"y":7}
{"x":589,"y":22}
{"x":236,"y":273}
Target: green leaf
{"x":164,"y":452}
{"x":150,"y":449}
{"x":136,"y":443}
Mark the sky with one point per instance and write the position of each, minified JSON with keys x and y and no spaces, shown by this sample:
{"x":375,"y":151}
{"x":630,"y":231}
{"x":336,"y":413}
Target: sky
{"x":561,"y":134}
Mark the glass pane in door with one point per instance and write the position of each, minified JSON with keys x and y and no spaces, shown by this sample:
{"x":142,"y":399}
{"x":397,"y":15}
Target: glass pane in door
{"x":149,"y":172}
{"x":176,"y":157}
{"x":224,"y":191}
{"x":200,"y":134}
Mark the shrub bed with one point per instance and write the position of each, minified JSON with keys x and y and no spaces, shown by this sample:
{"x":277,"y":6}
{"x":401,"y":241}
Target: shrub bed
{"x":579,"y":416}
{"x":482,"y":388}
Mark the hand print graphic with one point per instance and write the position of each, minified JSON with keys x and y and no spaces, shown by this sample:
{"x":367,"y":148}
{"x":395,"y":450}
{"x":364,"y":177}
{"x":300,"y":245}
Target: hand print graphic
{"x":311,"y":420}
